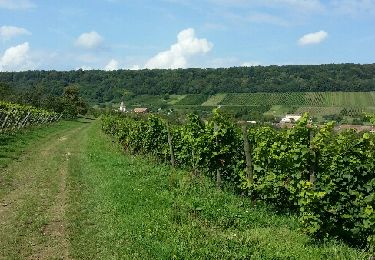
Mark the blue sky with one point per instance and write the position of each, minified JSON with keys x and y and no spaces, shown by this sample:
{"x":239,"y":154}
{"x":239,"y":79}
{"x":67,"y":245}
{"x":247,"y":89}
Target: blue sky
{"x":133,"y":34}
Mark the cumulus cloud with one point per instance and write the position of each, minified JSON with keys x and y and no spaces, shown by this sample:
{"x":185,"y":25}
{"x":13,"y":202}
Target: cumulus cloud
{"x":112,"y":65}
{"x":16,"y":58}
{"x":250,"y":64}
{"x":135,"y":67}
{"x":177,"y":56}
{"x":16,"y":4}
{"x":89,"y":40}
{"x":84,"y":67}
{"x":8,"y":32}
{"x":227,"y":62}
{"x":313,"y":38}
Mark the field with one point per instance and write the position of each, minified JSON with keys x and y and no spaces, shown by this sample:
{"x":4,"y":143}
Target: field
{"x":173,"y":99}
{"x":73,"y":194}
{"x":192,"y":100}
{"x":319,"y":111}
{"x":322,"y":99}
{"x":214,"y":100}
{"x":257,"y":105}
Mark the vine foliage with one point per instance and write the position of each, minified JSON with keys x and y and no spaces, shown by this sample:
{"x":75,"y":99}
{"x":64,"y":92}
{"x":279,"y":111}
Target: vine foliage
{"x":327,"y":177}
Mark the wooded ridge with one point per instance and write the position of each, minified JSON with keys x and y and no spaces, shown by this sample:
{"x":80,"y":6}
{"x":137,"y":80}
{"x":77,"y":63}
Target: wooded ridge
{"x":100,"y":86}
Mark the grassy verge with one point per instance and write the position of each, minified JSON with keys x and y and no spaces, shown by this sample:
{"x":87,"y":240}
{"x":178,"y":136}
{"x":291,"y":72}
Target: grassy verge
{"x":32,"y":191}
{"x":12,"y":145}
{"x":123,"y":206}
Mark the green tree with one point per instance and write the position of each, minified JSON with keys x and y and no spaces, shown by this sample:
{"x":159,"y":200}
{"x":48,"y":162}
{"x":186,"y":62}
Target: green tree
{"x":73,"y":103}
{"x":6,"y":93}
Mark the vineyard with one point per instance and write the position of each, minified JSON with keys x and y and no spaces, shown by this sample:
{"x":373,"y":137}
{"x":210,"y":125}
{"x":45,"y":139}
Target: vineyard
{"x":319,"y":111}
{"x":15,"y":116}
{"x":192,"y":100}
{"x":289,"y":99}
{"x":214,"y":100}
{"x":322,"y":99}
{"x":263,"y":106}
{"x":326,"y":177}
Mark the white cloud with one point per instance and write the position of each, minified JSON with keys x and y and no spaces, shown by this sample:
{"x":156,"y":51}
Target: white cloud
{"x":16,"y":58}
{"x":8,"y":32}
{"x":177,"y":56}
{"x":112,"y":65}
{"x":227,"y":62}
{"x":250,"y":64}
{"x":16,"y":4}
{"x":90,"y":40}
{"x":135,"y":67}
{"x":313,"y":38}
{"x":84,"y":67}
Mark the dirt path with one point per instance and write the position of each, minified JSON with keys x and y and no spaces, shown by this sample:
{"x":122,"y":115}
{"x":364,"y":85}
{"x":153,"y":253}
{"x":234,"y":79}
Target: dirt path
{"x":32,"y":214}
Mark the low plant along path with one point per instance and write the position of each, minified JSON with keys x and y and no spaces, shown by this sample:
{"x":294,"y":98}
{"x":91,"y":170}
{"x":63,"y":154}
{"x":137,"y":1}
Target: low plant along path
{"x":74,"y":194}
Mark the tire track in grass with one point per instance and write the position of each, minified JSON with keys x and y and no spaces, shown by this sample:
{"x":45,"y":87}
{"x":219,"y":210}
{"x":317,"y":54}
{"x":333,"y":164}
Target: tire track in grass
{"x":32,"y":218}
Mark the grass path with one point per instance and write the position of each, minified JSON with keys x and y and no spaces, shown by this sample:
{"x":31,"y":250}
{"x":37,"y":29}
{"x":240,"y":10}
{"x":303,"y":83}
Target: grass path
{"x":33,"y":202}
{"x":75,"y":195}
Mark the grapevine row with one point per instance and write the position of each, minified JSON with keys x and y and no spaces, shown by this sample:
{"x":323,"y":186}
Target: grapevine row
{"x":325,"y":176}
{"x":15,"y":116}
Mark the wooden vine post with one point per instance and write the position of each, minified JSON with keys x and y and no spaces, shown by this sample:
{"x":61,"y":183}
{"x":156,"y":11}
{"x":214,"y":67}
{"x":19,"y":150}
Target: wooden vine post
{"x":24,"y":121}
{"x":247,"y":149}
{"x":313,"y":163}
{"x":218,"y":174}
{"x":5,"y":122}
{"x":170,"y":143}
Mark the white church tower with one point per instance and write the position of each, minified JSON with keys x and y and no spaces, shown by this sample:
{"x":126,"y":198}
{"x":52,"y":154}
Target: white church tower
{"x":122,"y":107}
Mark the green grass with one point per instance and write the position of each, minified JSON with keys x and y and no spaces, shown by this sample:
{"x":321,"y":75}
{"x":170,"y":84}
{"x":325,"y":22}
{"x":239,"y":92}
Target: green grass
{"x":32,"y":191}
{"x":75,"y":194}
{"x":278,"y":111}
{"x":214,"y":100}
{"x":319,"y":111}
{"x":12,"y":145}
{"x":173,"y":99}
{"x":350,"y":99}
{"x":123,"y":206}
{"x":193,"y":100}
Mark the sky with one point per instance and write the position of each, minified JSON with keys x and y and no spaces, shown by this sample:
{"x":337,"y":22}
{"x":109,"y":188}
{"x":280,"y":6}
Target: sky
{"x":138,"y":34}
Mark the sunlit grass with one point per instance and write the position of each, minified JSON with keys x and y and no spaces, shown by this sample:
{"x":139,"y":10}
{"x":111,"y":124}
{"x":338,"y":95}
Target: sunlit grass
{"x":124,"y":206}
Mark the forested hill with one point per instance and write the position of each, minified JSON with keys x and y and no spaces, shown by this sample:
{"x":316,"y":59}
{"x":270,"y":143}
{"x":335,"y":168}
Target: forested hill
{"x":98,"y":86}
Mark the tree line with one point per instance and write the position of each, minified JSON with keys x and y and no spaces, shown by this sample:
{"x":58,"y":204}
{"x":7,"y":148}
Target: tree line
{"x":98,"y":86}
{"x":68,"y":103}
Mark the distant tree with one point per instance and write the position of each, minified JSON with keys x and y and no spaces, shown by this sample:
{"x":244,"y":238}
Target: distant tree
{"x":72,"y":102}
{"x":336,"y":118}
{"x":6,"y":93}
{"x":368,"y":118}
